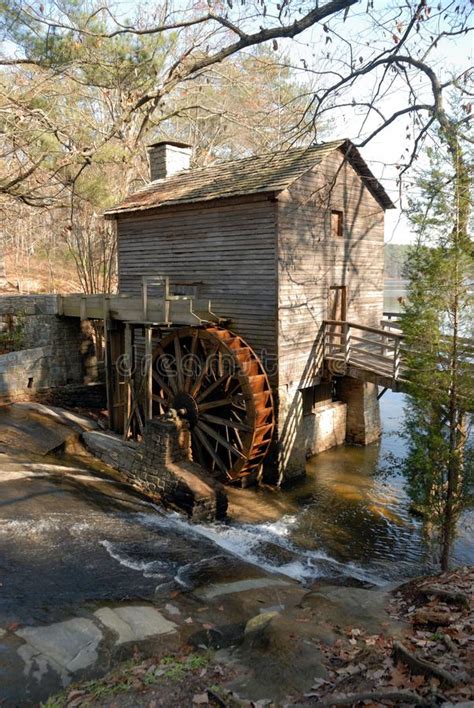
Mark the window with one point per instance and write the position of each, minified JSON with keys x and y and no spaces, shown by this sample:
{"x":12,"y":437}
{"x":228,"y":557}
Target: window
{"x":336,"y":223}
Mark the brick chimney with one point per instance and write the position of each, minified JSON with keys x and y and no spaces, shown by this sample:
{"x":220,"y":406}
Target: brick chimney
{"x":167,"y":158}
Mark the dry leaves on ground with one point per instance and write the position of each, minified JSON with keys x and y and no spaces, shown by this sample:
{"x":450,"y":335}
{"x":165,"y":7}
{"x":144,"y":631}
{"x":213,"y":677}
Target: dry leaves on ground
{"x":432,"y":665}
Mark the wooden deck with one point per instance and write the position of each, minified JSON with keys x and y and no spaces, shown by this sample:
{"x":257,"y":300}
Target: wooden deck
{"x":373,"y":354}
{"x":370,"y":353}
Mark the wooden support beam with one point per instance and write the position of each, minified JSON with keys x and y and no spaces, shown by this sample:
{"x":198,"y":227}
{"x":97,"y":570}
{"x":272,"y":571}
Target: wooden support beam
{"x":83,"y":308}
{"x":148,"y":373}
{"x":108,"y":362}
{"x":127,"y":367}
{"x":115,"y":338}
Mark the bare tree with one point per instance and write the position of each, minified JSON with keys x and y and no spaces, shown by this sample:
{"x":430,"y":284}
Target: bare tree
{"x":82,"y":89}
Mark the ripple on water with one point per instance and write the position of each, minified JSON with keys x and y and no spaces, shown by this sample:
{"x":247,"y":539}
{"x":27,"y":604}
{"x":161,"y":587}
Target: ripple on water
{"x":268,"y":546}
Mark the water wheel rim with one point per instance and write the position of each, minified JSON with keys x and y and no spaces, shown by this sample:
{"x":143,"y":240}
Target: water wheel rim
{"x":248,"y":455}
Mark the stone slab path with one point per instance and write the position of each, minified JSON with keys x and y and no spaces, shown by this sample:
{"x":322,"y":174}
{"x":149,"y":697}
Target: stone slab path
{"x":133,"y":624}
{"x":66,"y":648}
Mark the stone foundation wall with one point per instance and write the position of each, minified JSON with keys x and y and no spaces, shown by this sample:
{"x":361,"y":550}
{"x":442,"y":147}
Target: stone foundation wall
{"x":325,"y":427}
{"x":47,"y":351}
{"x":353,"y":418}
{"x":90,"y":395}
{"x":302,"y":433}
{"x":363,"y":410}
{"x":289,"y":455}
{"x":162,"y":467}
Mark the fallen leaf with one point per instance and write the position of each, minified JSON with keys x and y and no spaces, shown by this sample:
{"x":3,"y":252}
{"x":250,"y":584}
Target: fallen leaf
{"x":399,"y":678}
{"x":417,"y":681}
{"x":376,"y":674}
{"x":200,"y":699}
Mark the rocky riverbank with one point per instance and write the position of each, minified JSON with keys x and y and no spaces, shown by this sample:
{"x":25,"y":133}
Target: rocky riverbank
{"x":328,"y":646}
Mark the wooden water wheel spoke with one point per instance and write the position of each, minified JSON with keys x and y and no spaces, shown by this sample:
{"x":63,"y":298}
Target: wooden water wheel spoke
{"x":204,"y":369}
{"x":201,"y":370}
{"x":202,"y":438}
{"x":229,"y":455}
{"x":161,"y":360}
{"x":218,"y":437}
{"x":215,"y":404}
{"x":179,"y":363}
{"x":164,"y":387}
{"x":171,"y":376}
{"x":225,"y":421}
{"x":239,"y":439}
{"x":193,"y":352}
{"x":158,"y":399}
{"x":218,"y":382}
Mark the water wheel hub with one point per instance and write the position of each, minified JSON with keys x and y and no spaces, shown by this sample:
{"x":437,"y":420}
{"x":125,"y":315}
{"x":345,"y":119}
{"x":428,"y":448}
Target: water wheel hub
{"x":186,"y":407}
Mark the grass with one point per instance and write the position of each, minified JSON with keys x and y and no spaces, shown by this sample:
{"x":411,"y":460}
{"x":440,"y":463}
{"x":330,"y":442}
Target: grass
{"x":132,"y":675}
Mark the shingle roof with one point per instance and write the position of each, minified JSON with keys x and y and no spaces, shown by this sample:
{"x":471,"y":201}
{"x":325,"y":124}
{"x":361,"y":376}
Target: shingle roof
{"x":252,"y":175}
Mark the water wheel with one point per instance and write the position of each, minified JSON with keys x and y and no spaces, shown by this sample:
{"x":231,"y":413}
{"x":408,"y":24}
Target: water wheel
{"x":214,"y":380}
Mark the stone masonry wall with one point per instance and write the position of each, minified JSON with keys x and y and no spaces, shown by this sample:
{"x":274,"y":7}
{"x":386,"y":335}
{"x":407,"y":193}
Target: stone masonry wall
{"x":162,"y":467}
{"x":49,"y":351}
{"x":305,"y":434}
{"x":363,"y":410}
{"x":325,"y":427}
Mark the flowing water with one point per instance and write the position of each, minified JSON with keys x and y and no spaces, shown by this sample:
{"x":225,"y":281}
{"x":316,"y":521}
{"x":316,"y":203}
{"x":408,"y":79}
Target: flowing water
{"x":349,"y":517}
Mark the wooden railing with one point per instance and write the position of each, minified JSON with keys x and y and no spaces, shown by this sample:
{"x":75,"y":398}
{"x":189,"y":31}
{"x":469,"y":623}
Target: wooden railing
{"x":369,"y":348}
{"x":391,"y":321}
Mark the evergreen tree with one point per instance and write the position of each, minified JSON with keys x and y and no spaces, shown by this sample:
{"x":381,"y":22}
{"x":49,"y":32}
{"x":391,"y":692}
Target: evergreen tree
{"x":437,"y":323}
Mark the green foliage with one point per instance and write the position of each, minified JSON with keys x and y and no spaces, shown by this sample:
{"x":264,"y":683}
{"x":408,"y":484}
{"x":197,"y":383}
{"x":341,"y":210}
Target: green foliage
{"x":13,"y":338}
{"x":437,"y":323}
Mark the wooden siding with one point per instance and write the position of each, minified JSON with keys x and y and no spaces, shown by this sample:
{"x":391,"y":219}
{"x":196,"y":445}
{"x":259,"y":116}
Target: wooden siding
{"x":229,"y":245}
{"x":311,"y":259}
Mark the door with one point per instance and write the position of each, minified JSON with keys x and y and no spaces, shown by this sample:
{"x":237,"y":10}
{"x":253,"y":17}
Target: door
{"x":337,"y":311}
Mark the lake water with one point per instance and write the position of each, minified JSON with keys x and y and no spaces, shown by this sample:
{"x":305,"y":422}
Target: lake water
{"x":393,"y":289}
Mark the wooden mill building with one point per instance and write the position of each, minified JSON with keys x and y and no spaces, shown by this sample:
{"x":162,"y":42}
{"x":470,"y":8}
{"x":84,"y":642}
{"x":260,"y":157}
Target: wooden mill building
{"x":279,"y":244}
